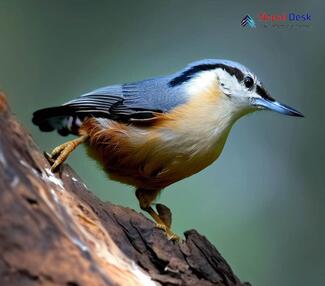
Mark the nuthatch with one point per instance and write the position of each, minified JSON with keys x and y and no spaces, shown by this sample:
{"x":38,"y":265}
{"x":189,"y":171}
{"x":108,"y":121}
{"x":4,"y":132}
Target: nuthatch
{"x":155,"y":132}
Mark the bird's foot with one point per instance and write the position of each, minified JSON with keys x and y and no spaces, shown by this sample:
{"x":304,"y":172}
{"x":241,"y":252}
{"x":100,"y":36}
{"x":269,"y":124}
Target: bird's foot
{"x":61,"y":153}
{"x":165,"y":214}
{"x":48,"y":157}
{"x":170,"y":235}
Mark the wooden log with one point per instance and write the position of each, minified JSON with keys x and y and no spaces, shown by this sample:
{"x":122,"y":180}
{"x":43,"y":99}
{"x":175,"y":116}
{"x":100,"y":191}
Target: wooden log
{"x":54,"y":231}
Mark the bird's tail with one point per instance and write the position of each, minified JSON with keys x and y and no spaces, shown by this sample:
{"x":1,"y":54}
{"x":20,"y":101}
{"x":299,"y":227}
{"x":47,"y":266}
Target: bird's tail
{"x":61,"y":118}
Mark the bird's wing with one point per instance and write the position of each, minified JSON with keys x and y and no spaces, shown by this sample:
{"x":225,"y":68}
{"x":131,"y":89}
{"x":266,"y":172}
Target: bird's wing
{"x":134,"y":102}
{"x":128,"y":102}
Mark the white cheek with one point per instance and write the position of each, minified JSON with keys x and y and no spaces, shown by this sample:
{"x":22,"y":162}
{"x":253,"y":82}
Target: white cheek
{"x":204,"y":81}
{"x":236,"y":90}
{"x":228,"y":83}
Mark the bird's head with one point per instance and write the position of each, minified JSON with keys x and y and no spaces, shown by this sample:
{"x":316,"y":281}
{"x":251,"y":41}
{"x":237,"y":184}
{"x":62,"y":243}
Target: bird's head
{"x":234,"y":83}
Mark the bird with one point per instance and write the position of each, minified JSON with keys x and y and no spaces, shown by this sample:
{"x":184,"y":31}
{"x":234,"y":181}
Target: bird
{"x":152,"y":133}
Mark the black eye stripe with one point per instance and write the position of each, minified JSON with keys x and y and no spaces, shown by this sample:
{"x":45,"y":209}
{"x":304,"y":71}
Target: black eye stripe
{"x":189,"y":73}
{"x":263,"y":93}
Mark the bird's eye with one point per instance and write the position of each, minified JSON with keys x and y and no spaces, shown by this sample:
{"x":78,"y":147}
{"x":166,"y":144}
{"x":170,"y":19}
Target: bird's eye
{"x":249,"y":82}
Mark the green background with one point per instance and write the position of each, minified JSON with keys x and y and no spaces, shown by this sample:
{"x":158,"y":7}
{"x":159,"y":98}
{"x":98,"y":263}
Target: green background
{"x":262,"y":203}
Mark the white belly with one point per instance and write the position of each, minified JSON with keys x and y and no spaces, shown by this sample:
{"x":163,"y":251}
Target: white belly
{"x":170,"y":155}
{"x":190,"y":153}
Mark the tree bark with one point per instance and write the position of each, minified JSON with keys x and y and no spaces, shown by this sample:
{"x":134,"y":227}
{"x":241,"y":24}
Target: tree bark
{"x":54,"y":231}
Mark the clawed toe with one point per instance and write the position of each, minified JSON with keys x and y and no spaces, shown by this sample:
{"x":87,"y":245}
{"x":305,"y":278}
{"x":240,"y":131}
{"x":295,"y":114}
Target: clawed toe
{"x":48,"y":157}
{"x":161,"y":226}
{"x":174,"y":237}
{"x":52,"y":161}
{"x":163,"y":216}
{"x":170,"y":235}
{"x":57,"y":151}
{"x":60,"y":154}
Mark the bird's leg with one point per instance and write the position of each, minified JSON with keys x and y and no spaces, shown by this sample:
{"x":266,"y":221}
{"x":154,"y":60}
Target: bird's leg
{"x":163,"y":218}
{"x":61,"y":153}
{"x":161,"y":224}
{"x":165,"y":214}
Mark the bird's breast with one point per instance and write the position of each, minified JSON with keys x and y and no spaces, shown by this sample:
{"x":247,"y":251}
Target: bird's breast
{"x":153,"y":157}
{"x":179,"y":144}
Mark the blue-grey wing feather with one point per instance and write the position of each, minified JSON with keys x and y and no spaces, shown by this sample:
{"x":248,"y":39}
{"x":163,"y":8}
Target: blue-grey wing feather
{"x":139,"y":100}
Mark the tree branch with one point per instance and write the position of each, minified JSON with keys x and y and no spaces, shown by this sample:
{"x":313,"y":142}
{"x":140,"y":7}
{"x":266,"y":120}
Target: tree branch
{"x":54,"y":231}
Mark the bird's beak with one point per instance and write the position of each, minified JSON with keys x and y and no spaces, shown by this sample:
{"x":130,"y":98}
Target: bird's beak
{"x":264,"y":101}
{"x":271,"y":104}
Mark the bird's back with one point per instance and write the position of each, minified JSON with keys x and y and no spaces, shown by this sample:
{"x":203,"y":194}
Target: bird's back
{"x":131,"y":102}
